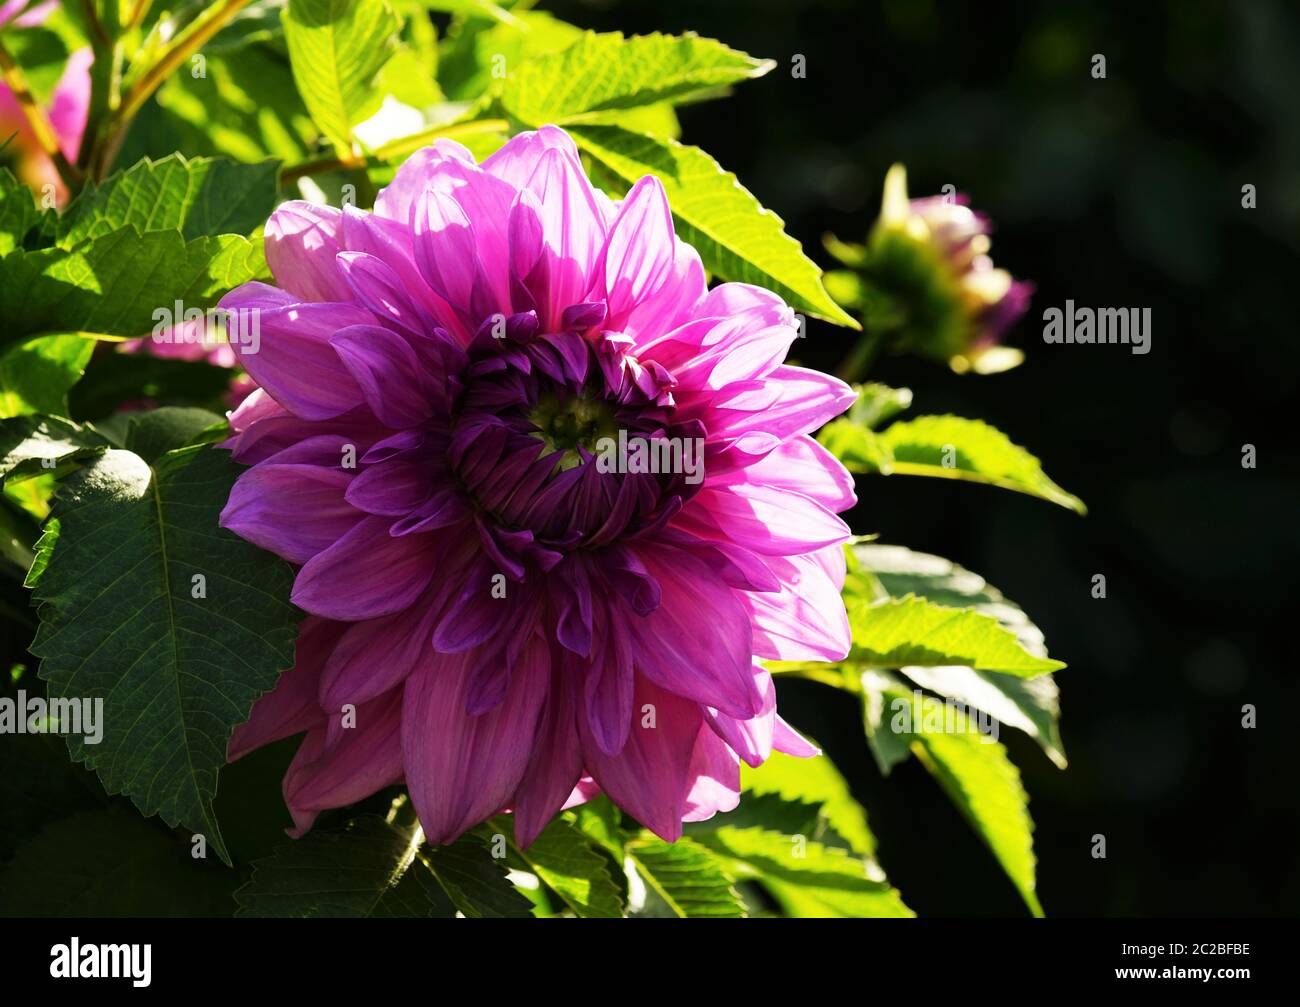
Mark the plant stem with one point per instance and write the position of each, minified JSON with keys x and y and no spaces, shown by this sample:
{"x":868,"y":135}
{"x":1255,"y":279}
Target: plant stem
{"x":36,"y":118}
{"x":138,"y":13}
{"x":181,"y":48}
{"x":96,"y":26}
{"x":854,"y":366}
{"x":122,"y":112}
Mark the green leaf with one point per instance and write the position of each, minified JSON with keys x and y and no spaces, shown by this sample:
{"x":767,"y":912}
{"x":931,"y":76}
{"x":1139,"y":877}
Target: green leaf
{"x":807,"y":878}
{"x":336,"y":49}
{"x":736,"y":237}
{"x":601,"y":72}
{"x":817,"y":781}
{"x":913,"y":631}
{"x":247,"y":108}
{"x":979,"y":778}
{"x":260,"y":21}
{"x":200,"y":197}
{"x":476,"y":48}
{"x":39,"y":784}
{"x":113,"y":379}
{"x":1030,"y":705}
{"x":685,"y":877}
{"x":35,"y":376}
{"x":116,"y":579}
{"x":34,"y":444}
{"x":111,"y":863}
{"x":114,"y":285}
{"x":947,"y":447}
{"x":475,"y":880}
{"x":366,"y":869}
{"x":851,"y":439}
{"x":473,"y":8}
{"x":18,"y":213}
{"x":153,"y":433}
{"x":888,"y":747}
{"x":370,"y":868}
{"x":565,"y":859}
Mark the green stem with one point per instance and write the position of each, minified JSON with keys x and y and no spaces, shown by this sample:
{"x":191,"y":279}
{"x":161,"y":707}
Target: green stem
{"x":854,"y":366}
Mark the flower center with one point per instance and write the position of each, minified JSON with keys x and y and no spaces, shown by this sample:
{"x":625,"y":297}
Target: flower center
{"x":568,"y":424}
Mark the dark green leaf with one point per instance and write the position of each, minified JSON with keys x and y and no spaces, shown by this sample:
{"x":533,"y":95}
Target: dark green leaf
{"x":153,"y":433}
{"x":111,"y":863}
{"x":366,"y":869}
{"x":126,"y":555}
{"x":34,"y":444}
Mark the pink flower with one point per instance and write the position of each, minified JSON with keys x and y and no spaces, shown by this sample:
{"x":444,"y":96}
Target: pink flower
{"x":512,"y":612}
{"x":67,"y":111}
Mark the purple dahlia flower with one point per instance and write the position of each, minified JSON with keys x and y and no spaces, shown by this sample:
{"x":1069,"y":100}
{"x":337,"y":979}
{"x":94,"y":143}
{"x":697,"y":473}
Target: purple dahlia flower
{"x":507,"y":610}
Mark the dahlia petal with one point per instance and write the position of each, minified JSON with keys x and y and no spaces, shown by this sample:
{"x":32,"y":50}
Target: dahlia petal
{"x":302,"y":240}
{"x":801,"y":465}
{"x":476,"y":614}
{"x":649,"y":778}
{"x":462,"y":769}
{"x":374,"y":656}
{"x":395,"y":201}
{"x":803,"y":621}
{"x":294,"y":511}
{"x":786,"y":739}
{"x":607,"y":690}
{"x":340,"y":766}
{"x":365,"y":574}
{"x":392,"y":488}
{"x":765,"y":519}
{"x":293,"y":359}
{"x":697,"y":643}
{"x":70,"y":100}
{"x":377,"y":287}
{"x":446,"y":251}
{"x":390,"y":242}
{"x":256,"y":406}
{"x":715,"y":779}
{"x":807,"y":400}
{"x":638,"y":253}
{"x":555,"y":767}
{"x":290,"y":707}
{"x":516,"y":161}
{"x":383,"y":365}
{"x":486,"y":200}
{"x":676,"y":298}
{"x":573,"y":230}
{"x":750,"y":739}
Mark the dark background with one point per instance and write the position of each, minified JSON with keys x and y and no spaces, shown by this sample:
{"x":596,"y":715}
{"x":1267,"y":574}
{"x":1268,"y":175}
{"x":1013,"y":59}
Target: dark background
{"x":1123,"y":192}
